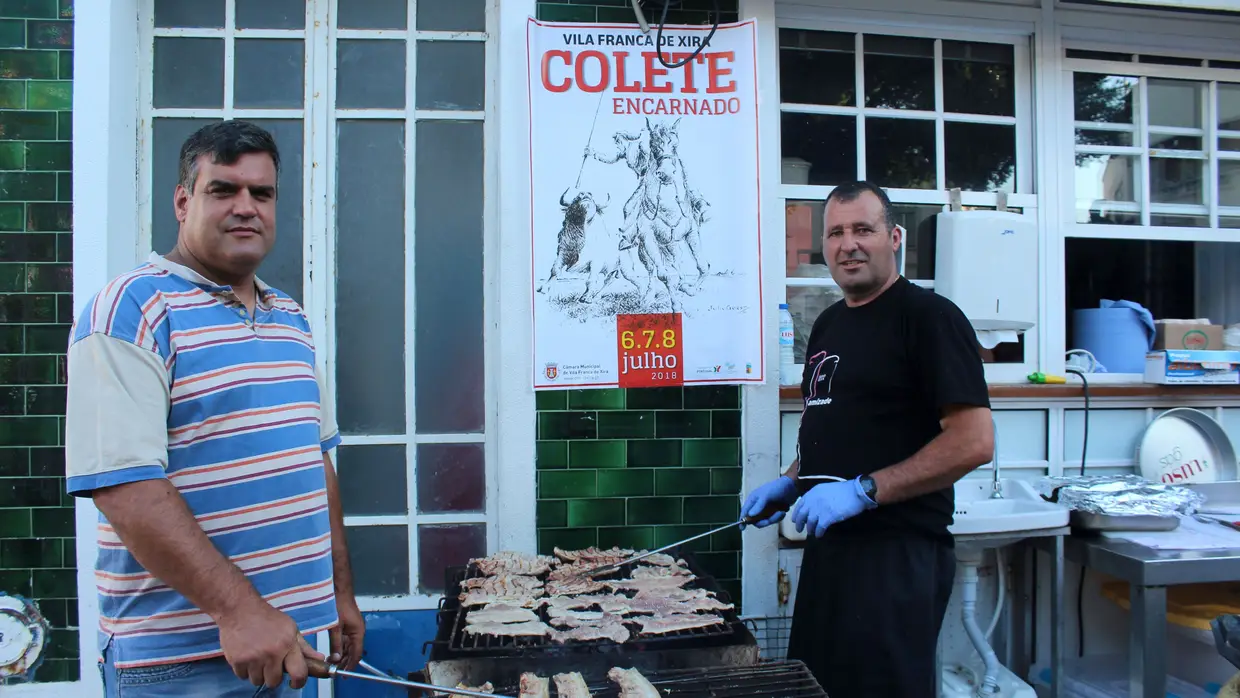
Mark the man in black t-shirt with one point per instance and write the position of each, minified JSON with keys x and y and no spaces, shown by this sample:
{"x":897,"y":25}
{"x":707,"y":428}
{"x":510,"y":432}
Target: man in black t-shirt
{"x":896,"y":410}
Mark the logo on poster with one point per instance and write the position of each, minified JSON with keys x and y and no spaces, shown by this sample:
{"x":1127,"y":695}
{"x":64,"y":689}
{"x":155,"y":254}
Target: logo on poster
{"x":552,"y":371}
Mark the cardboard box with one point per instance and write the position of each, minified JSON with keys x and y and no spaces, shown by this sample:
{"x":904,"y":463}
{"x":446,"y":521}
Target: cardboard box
{"x":1181,"y":335}
{"x":1193,"y":367}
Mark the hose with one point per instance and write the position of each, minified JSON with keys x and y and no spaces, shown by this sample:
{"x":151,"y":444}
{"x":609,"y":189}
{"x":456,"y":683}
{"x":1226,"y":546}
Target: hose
{"x":994,"y":620}
{"x":990,"y":682}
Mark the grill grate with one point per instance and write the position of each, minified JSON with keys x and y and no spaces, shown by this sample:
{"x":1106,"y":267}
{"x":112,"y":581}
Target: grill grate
{"x":783,"y":679}
{"x":491,"y":645}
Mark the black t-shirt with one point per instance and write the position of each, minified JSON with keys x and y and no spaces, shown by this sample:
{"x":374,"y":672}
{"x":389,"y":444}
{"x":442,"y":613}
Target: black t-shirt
{"x":876,"y":379}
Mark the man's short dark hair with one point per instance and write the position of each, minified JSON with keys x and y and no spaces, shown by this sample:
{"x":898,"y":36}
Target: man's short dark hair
{"x":851,"y":190}
{"x":225,"y":142}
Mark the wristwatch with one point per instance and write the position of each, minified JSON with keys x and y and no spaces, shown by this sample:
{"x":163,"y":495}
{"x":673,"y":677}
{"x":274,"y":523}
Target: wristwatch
{"x":869,"y":487}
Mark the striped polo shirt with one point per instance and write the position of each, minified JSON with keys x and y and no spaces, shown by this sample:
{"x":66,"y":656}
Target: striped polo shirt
{"x":169,"y":376}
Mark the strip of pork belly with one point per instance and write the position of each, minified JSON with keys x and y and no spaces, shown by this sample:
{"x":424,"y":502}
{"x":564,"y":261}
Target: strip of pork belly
{"x":484,"y":688}
{"x":577,"y":570}
{"x":500,"y":613}
{"x":503,"y":585}
{"x":658,"y":625}
{"x":573,"y":587}
{"x":481,"y":598}
{"x":650,"y":584}
{"x":571,"y":686}
{"x":534,"y":686}
{"x":617,"y":605}
{"x":661,"y":573}
{"x":662,"y":606}
{"x":632,"y":683}
{"x":526,"y":629}
{"x":595,"y":556}
{"x":609,"y":628}
{"x":507,"y":562}
{"x":662,"y":560}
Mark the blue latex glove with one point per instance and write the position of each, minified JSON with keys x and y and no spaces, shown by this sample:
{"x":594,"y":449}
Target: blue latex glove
{"x":828,"y":504}
{"x":782,"y":492}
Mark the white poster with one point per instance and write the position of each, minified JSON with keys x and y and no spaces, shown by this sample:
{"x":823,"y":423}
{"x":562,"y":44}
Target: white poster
{"x":645,"y":229}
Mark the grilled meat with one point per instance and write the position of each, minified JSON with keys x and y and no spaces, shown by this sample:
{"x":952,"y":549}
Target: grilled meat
{"x":481,"y":598}
{"x":571,"y":686}
{"x":662,"y":606}
{"x":514,"y":563}
{"x":609,"y":603}
{"x":500,"y":613}
{"x":503,"y":584}
{"x":530,"y":628}
{"x":573,"y":619}
{"x":650,"y":584}
{"x":632,"y":683}
{"x":484,"y":688}
{"x":595,"y":556}
{"x":658,"y":625}
{"x":576,"y":570}
{"x":534,"y":686}
{"x":661,"y":572}
{"x":663,"y":560}
{"x":573,"y":587}
{"x":608,"y":628}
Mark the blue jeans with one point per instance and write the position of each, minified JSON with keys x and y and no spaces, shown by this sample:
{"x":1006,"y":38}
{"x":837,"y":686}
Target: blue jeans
{"x":207,"y":678}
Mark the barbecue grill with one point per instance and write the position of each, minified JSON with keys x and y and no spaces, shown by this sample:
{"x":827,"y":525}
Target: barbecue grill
{"x":456,"y":657}
{"x":770,"y":680}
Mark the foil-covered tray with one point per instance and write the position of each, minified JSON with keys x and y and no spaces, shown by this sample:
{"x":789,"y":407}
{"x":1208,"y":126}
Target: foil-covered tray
{"x":1120,"y":495}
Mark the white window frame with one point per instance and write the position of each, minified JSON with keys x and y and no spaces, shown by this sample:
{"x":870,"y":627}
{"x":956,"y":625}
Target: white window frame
{"x":319,"y":153}
{"x":1140,"y":130}
{"x":1066,"y":162}
{"x":1023,"y":198}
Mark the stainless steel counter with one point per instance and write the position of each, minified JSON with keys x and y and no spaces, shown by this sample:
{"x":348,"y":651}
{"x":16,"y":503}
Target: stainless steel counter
{"x":1148,"y":572}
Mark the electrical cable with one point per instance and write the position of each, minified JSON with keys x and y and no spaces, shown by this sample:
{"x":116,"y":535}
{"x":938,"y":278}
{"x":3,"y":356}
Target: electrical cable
{"x":658,"y":40}
{"x":1080,"y":590}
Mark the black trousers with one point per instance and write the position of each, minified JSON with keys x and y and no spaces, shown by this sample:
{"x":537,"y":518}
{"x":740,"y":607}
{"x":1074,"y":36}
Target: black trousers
{"x":868,"y":613}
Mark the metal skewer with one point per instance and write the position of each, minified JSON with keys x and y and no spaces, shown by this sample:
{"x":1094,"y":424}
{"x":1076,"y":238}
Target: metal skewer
{"x":615,"y":565}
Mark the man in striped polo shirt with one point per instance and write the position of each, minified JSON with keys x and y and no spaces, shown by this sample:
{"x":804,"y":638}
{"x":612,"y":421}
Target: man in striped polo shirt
{"x":197,"y":423}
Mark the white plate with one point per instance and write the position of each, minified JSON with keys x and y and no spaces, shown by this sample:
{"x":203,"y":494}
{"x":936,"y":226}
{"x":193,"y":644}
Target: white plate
{"x":1183,"y":446}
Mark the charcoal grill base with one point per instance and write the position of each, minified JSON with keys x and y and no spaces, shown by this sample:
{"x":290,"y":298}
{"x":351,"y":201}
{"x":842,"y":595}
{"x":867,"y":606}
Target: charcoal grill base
{"x":474,"y":671}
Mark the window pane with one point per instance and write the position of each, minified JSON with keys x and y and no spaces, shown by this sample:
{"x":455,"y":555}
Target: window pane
{"x":168,"y":136}
{"x":1108,"y":138}
{"x":379,"y":556}
{"x":1103,"y":98}
{"x":463,"y":86}
{"x":920,"y":225}
{"x":1229,"y":144}
{"x":1229,"y":182}
{"x":373,"y":480}
{"x":441,"y":547}
{"x":189,"y":73}
{"x":1103,"y":178}
{"x":370,"y":74}
{"x":1176,"y":181}
{"x":900,"y":153}
{"x":373,"y":14}
{"x":280,"y":83}
{"x":271,"y":14}
{"x":451,"y":478}
{"x":1230,"y":222}
{"x":899,"y":72}
{"x":1179,"y":221}
{"x":451,"y":365}
{"x":370,"y":277}
{"x":1176,"y":103}
{"x":189,"y":13}
{"x":452,"y":15}
{"x":283,"y":266}
{"x":979,"y":78}
{"x":805,"y":305}
{"x":1168,"y":141}
{"x":1229,"y":107}
{"x":980,"y":157}
{"x":817,"y":68}
{"x":818,"y":149}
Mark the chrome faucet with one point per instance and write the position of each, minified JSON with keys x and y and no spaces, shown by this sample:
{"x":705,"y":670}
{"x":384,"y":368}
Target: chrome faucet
{"x":996,"y":490}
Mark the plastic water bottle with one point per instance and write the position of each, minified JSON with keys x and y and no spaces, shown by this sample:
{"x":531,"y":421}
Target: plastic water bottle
{"x":787,"y":363}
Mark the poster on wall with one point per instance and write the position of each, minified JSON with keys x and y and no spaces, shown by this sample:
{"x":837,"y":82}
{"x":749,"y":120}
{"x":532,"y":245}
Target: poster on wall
{"x":644,"y":193}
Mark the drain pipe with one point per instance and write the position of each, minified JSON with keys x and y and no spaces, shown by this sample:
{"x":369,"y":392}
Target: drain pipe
{"x":969,"y":562}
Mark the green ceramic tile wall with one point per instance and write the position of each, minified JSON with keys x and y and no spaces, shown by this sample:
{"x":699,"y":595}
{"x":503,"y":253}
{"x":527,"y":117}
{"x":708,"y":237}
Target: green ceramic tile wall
{"x":38,"y":556}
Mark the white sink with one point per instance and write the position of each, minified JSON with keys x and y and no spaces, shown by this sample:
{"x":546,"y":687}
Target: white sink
{"x":1020,"y":509}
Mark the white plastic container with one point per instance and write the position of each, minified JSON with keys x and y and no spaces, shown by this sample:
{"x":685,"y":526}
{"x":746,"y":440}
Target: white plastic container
{"x":787,"y":338}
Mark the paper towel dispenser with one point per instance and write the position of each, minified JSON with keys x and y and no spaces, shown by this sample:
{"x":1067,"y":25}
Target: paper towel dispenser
{"x":987,"y":264}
